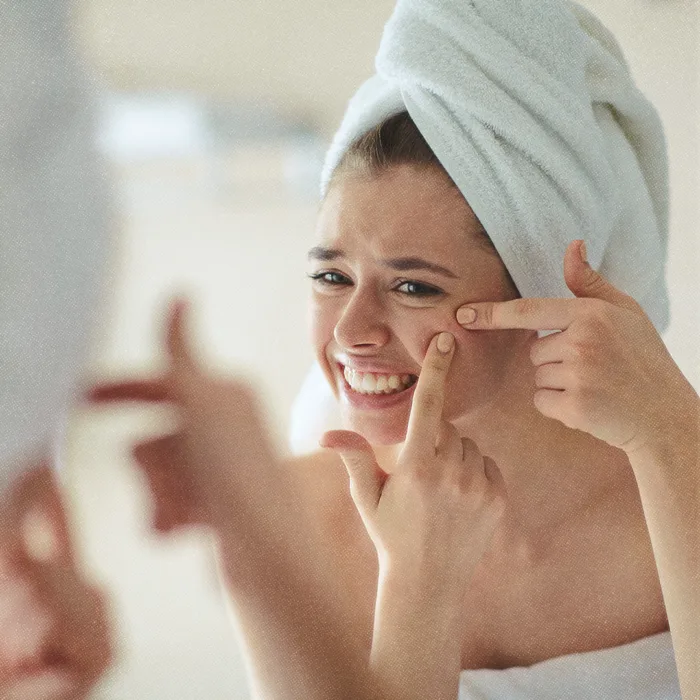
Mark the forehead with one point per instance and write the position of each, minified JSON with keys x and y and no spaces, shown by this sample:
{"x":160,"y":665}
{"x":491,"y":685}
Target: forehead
{"x":404,"y":211}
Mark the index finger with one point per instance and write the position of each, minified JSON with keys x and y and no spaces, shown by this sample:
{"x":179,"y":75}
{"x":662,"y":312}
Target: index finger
{"x":429,"y":399}
{"x":529,"y":313}
{"x":147,"y":390}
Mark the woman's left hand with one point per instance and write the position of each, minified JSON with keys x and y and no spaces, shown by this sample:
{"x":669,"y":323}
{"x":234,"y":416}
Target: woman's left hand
{"x":201,"y":474}
{"x":608,"y":371}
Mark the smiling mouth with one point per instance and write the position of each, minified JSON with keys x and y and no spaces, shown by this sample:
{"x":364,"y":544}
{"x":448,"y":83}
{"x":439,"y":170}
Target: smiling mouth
{"x":373,"y":383}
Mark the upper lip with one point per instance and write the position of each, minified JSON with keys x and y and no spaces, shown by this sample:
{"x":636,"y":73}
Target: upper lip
{"x":374,"y":367}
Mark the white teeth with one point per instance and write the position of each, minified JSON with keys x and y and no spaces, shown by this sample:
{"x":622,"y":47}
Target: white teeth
{"x":368,"y":383}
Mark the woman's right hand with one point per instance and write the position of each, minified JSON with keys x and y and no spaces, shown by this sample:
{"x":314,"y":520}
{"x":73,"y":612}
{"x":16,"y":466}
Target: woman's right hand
{"x":55,"y":628}
{"x":437,"y":512}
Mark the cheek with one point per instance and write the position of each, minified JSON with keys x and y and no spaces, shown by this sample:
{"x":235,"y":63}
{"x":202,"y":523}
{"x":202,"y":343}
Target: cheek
{"x":479,"y":364}
{"x":321,"y":324}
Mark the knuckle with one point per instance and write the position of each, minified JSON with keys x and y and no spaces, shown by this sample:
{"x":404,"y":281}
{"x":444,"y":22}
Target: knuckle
{"x":472,"y":489}
{"x":430,"y":402}
{"x":598,"y":314}
{"x":585,"y":349}
{"x":574,"y":384}
{"x":498,"y":501}
{"x":416,"y":475}
{"x":573,"y":411}
{"x":541,"y":375}
{"x":453,"y":481}
{"x":469,"y":447}
{"x":525,"y":306}
{"x":435,"y":364}
{"x":535,"y":352}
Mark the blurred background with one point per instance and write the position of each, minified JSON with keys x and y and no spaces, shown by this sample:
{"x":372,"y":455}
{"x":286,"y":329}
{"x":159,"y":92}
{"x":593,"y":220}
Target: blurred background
{"x":215,"y":119}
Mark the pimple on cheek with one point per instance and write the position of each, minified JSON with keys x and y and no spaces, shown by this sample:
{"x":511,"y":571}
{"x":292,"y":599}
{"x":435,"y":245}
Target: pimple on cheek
{"x":451,"y":325}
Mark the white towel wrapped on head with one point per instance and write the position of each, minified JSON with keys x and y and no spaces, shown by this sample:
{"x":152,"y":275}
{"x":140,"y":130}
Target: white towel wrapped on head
{"x":530,"y":107}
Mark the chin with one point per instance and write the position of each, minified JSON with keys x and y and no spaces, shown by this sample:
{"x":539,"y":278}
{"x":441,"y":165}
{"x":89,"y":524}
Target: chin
{"x":375,"y":431}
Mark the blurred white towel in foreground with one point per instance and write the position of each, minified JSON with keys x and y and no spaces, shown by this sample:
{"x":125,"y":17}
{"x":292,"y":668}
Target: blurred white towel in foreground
{"x":54,"y":224}
{"x":642,"y":670}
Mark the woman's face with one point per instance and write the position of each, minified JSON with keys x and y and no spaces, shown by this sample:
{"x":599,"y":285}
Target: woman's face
{"x":396,"y":256}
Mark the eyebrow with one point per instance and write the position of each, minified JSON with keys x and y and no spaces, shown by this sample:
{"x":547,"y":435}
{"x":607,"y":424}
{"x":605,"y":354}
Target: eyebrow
{"x":400,"y":264}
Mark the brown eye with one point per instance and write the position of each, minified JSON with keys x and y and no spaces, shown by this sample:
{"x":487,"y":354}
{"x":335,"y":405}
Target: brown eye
{"x":417,"y":289}
{"x":323,"y":278}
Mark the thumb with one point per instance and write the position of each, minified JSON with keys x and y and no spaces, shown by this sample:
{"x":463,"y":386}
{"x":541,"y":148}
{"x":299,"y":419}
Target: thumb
{"x":183,"y":367}
{"x":366,"y":476}
{"x":584,"y":281}
{"x":176,"y":341}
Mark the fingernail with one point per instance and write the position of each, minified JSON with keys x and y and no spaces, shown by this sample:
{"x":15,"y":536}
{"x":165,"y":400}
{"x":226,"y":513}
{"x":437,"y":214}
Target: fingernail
{"x":582,"y":252}
{"x":40,"y":539}
{"x":445,"y":341}
{"x":466,"y":315}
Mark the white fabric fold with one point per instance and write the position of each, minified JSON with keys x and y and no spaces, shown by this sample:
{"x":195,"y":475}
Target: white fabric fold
{"x":641,"y":670}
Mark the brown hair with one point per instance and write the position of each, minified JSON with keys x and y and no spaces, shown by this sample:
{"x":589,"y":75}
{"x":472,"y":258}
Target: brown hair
{"x":397,"y":141}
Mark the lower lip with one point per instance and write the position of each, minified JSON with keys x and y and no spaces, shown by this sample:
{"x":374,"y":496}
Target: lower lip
{"x":374,"y":401}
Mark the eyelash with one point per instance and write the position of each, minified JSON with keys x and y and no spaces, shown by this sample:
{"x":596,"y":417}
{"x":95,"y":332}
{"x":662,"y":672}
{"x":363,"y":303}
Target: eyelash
{"x":431,"y":291}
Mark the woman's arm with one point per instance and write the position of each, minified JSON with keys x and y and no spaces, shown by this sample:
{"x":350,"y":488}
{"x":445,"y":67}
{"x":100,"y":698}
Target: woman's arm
{"x":297,"y":643}
{"x":609,"y":373}
{"x":667,"y":470}
{"x":417,"y":643}
{"x":430,"y":522}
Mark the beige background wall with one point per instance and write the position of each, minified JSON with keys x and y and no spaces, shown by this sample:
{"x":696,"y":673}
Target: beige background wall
{"x":241,"y":253}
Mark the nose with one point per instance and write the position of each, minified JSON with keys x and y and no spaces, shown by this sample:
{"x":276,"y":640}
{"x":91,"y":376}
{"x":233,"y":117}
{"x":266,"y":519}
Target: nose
{"x":362,"y":323}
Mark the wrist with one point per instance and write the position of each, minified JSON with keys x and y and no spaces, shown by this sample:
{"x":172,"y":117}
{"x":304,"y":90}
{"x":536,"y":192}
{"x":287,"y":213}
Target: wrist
{"x":674,"y":430}
{"x":421,"y":585}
